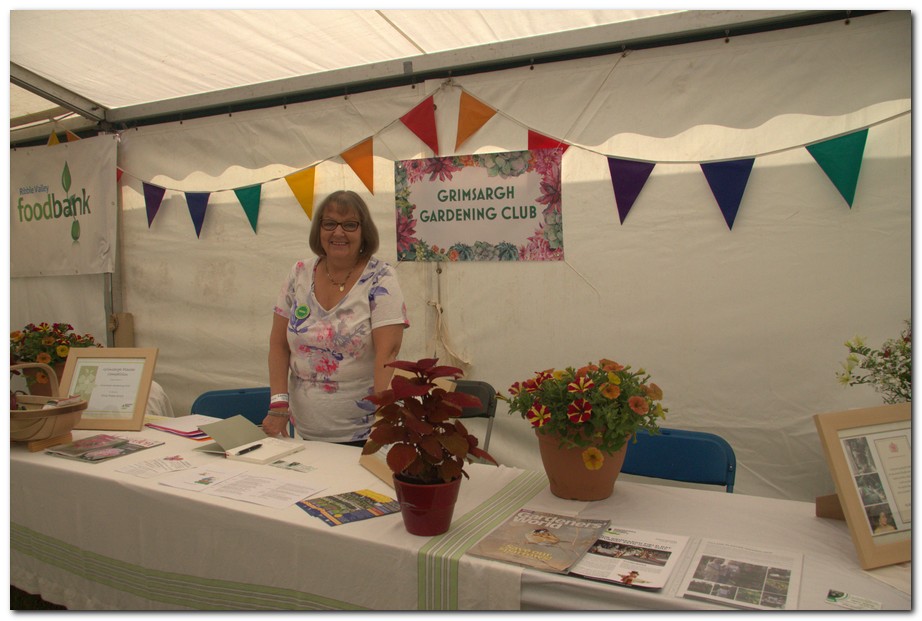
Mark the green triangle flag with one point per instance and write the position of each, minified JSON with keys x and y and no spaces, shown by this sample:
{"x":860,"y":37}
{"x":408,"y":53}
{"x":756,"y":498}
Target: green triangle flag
{"x":249,"y":200}
{"x":840,"y":158}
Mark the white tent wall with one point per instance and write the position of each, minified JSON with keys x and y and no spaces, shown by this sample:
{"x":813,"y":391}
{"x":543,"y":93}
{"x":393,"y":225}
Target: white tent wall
{"x":743,"y":329}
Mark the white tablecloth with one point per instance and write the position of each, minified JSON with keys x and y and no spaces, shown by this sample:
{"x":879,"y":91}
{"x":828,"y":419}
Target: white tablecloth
{"x":88,"y":537}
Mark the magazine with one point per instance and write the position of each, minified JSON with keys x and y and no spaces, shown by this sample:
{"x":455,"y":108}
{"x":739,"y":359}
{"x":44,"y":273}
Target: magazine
{"x":545,"y":541}
{"x":102,"y":447}
{"x":634,"y":558}
{"x":743,"y":577}
{"x":341,"y":509}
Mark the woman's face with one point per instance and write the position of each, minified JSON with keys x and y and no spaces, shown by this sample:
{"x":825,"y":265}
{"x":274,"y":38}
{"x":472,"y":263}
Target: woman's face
{"x":340,"y":243}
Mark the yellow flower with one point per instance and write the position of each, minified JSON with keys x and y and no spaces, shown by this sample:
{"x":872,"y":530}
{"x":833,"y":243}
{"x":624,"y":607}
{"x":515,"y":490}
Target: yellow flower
{"x":593,"y":458}
{"x":48,"y":340}
{"x":559,"y":374}
{"x":614,"y":378}
{"x":16,"y":336}
{"x":62,"y":351}
{"x":43,"y":357}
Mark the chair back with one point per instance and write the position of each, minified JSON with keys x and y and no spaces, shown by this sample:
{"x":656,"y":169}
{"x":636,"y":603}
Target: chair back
{"x":251,"y":403}
{"x":680,"y":455}
{"x":487,"y":395}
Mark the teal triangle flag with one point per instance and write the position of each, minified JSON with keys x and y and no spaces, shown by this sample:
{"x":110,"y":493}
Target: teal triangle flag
{"x":249,"y":200}
{"x":840,"y":158}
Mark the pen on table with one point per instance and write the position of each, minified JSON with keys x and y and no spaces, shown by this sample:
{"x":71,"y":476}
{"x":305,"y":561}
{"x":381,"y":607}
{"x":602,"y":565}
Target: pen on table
{"x":249,"y":449}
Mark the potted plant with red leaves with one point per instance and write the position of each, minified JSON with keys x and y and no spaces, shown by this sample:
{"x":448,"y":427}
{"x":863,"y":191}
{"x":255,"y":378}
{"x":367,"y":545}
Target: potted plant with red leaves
{"x":426,"y":446}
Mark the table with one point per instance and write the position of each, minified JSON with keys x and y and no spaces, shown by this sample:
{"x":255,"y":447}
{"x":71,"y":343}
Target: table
{"x":91,"y":538}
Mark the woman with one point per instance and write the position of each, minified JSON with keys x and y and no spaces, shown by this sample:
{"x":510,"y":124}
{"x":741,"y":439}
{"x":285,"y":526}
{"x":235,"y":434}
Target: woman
{"x":338,"y":320}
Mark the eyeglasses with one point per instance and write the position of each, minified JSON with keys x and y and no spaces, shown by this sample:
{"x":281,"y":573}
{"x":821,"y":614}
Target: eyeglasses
{"x":349,"y":226}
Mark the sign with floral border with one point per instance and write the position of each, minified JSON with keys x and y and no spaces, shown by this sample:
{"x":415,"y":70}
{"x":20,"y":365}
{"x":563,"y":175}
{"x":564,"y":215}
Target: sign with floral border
{"x":484,"y":207}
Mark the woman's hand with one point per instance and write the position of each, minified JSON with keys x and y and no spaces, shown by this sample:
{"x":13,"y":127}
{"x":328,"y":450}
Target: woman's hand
{"x":275,"y":425}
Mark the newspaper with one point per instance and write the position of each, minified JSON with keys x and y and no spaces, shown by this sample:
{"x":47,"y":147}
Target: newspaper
{"x":634,"y":558}
{"x":743,"y":577}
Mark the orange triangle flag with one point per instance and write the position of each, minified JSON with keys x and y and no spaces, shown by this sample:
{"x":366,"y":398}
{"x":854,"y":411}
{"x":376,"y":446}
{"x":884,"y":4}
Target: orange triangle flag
{"x":472,"y":115}
{"x":71,"y":136}
{"x":361,"y":159}
{"x":53,"y":139}
{"x":302,"y":186}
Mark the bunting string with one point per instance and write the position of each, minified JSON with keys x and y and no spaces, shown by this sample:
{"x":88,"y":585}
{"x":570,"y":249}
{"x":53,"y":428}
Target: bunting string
{"x":839,"y":156}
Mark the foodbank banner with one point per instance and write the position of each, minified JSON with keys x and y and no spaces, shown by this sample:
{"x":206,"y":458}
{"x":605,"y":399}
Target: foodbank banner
{"x":63,"y":208}
{"x":487,"y":207}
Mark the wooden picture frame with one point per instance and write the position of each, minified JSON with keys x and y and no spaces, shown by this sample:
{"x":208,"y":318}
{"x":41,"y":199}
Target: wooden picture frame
{"x":114,"y":381}
{"x":869,"y":453}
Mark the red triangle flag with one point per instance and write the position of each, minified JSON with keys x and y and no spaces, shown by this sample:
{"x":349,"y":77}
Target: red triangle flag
{"x":539,"y":141}
{"x":421,"y":121}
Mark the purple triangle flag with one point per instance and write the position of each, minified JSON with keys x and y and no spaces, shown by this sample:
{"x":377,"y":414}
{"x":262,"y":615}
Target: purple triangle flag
{"x":627,"y":180}
{"x":728,"y":182}
{"x":198,"y":203}
{"x":153,"y":195}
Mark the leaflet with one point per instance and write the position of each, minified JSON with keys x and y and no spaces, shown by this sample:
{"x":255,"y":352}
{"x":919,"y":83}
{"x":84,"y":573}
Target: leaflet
{"x":634,"y":558}
{"x":743,"y":577}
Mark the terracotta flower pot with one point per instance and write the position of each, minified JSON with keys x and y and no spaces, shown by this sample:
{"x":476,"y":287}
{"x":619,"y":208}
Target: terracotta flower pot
{"x":46,"y":388}
{"x":427,"y":509}
{"x":568,"y":475}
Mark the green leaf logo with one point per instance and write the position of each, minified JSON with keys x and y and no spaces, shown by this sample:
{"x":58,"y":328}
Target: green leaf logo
{"x":65,"y":178}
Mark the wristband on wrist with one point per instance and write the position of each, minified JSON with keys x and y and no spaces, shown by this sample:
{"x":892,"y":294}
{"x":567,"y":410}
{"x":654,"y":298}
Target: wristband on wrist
{"x":280,"y":413}
{"x":279,"y":400}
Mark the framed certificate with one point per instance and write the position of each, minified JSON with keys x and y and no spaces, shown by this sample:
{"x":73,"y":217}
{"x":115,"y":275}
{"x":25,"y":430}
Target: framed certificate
{"x":869,"y":452}
{"x":114,"y":381}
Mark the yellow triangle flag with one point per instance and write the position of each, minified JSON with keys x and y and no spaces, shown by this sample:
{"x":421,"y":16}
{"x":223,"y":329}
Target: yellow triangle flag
{"x":53,"y":139}
{"x":471,"y":116}
{"x":302,"y":186}
{"x":361,"y":159}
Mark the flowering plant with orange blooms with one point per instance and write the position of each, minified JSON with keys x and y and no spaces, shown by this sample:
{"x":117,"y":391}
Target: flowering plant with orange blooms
{"x":46,"y":343}
{"x":597,"y":407}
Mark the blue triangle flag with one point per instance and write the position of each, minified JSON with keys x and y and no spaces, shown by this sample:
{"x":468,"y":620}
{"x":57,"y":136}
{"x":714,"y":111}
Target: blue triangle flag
{"x":728,"y":182}
{"x":198,"y":203}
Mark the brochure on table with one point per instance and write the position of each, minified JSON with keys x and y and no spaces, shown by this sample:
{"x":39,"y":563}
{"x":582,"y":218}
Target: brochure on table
{"x":634,"y":558}
{"x":545,"y":541}
{"x":102,"y":447}
{"x":340,"y":509}
{"x":743,"y":577}
{"x":240,"y":440}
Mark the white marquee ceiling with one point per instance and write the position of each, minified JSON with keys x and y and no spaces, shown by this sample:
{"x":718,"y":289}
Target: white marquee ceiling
{"x":118,"y":67}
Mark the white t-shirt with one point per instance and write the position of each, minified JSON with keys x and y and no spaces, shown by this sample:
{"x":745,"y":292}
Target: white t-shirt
{"x":332,"y":352}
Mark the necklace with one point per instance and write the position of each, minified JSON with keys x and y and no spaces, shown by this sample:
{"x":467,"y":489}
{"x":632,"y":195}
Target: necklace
{"x":341,"y":285}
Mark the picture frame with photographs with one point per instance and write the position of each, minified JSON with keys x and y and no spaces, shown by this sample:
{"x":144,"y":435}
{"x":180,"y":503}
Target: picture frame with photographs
{"x":869,"y":453}
{"x":114,"y":381}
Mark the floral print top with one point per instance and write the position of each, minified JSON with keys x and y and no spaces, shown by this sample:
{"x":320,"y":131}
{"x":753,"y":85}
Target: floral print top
{"x":332,"y":353}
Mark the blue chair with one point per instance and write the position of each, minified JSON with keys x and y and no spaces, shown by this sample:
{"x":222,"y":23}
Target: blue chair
{"x":251,"y":403}
{"x":487,"y":395}
{"x":680,"y":455}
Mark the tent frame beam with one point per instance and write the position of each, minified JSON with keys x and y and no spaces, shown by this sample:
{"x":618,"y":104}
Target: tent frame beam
{"x":684,"y":27}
